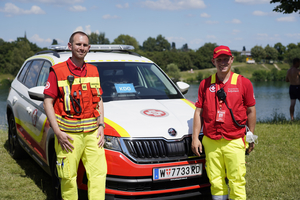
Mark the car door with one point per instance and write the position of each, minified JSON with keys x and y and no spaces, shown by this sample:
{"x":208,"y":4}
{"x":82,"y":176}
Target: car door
{"x":32,"y":122}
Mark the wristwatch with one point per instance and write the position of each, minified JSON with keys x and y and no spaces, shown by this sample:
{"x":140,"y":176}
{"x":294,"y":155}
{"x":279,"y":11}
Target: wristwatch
{"x":103,"y":125}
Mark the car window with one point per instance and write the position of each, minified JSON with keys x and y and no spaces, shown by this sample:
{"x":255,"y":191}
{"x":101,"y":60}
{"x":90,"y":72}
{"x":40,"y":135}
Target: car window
{"x":131,"y":80}
{"x":23,"y":72}
{"x":33,"y":73}
{"x":44,"y":74}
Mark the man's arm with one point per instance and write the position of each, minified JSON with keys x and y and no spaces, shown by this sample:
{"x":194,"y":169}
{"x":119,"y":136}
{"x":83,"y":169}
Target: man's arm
{"x":63,"y":138}
{"x":196,"y":143}
{"x":100,"y":120}
{"x":251,"y":114}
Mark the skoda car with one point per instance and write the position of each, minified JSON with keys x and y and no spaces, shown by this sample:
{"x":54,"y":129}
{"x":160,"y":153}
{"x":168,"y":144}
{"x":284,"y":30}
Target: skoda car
{"x":148,"y":125}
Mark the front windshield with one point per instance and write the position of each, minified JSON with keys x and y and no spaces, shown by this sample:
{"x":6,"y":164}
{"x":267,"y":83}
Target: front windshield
{"x":132,"y":80}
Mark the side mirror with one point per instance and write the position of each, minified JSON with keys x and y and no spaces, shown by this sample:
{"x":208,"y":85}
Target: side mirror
{"x":37,"y":93}
{"x":183,"y":87}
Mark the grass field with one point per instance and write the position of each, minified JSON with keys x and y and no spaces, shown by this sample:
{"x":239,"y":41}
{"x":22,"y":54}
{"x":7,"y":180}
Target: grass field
{"x":273,"y":170}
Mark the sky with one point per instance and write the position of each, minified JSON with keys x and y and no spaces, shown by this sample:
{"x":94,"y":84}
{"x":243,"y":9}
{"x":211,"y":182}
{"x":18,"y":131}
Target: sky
{"x":234,"y":23}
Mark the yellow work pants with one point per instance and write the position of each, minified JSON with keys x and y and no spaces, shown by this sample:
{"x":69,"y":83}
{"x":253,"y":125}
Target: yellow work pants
{"x":226,"y":158}
{"x":93,"y":159}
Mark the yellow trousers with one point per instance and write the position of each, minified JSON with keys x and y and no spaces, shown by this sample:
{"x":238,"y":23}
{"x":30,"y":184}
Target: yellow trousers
{"x":226,"y":158}
{"x":93,"y":159}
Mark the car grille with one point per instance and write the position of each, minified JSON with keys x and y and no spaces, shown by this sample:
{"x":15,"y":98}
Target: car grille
{"x":158,"y":150}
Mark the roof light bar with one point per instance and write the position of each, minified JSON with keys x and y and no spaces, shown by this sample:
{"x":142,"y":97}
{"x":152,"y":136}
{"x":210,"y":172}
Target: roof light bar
{"x":95,"y":47}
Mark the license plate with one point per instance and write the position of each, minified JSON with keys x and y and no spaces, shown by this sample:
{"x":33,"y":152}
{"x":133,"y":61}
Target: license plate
{"x":177,"y":172}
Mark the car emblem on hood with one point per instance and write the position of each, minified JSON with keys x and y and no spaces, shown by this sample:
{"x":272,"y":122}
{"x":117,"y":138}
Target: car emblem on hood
{"x":172,"y":132}
{"x":154,"y":113}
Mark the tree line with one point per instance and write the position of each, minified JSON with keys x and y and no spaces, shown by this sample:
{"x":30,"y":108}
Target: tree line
{"x":159,"y":50}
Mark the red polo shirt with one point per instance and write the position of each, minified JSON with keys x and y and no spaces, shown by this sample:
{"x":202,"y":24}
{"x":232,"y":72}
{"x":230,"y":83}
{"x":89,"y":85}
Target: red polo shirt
{"x":240,"y":96}
{"x":51,"y":88}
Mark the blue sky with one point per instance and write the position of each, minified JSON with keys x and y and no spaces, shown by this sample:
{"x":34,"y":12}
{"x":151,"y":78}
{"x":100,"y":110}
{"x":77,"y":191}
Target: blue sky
{"x":235,"y":23}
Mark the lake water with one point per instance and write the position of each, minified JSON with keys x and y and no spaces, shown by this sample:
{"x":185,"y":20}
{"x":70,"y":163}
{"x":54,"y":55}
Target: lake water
{"x":271,"y":98}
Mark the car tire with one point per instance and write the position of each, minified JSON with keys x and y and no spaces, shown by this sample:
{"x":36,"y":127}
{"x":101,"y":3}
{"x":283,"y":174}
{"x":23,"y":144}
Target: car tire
{"x":55,"y":179}
{"x":14,"y":147}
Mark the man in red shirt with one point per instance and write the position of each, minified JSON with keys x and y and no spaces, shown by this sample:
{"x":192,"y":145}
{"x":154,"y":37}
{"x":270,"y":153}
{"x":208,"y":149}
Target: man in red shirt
{"x":74,"y":108}
{"x":225,"y":104}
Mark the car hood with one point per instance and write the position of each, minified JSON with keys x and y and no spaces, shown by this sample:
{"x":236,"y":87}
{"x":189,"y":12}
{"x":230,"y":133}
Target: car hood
{"x":149,"y":118}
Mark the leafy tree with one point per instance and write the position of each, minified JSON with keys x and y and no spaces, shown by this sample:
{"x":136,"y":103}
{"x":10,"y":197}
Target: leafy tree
{"x":173,"y":46}
{"x":291,"y":46}
{"x":272,"y":53}
{"x":158,"y":44}
{"x":281,"y":50}
{"x":162,"y":44}
{"x":294,"y":53}
{"x":54,"y":42}
{"x":287,"y":6}
{"x":244,"y":48}
{"x":199,"y":77}
{"x":126,"y":39}
{"x":258,"y":53}
{"x":202,"y":58}
{"x":18,"y":55}
{"x":100,"y":38}
{"x":185,"y":47}
{"x":149,"y":44}
{"x":173,"y":72}
{"x":259,"y":75}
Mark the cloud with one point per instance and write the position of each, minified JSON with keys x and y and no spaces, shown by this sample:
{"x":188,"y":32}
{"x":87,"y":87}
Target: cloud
{"x":235,"y":31}
{"x":176,"y":39}
{"x":56,"y":2}
{"x":234,"y":21}
{"x":205,"y":15}
{"x":262,"y":34}
{"x":126,"y":5}
{"x":211,"y":22}
{"x":108,"y":16}
{"x":211,"y":37}
{"x":252,"y":2}
{"x":77,"y":8}
{"x":36,"y":38}
{"x":174,"y":4}
{"x":87,"y":29}
{"x":260,"y":13}
{"x":293,"y":35}
{"x":286,"y":19}
{"x":11,"y":9}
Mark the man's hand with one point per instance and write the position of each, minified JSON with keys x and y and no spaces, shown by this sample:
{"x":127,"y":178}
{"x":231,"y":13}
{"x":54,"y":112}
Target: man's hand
{"x":64,"y":141}
{"x":101,"y":135}
{"x":251,"y":147}
{"x":197,"y":147}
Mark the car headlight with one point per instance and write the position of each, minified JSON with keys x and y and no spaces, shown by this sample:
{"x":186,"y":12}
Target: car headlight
{"x":112,"y":143}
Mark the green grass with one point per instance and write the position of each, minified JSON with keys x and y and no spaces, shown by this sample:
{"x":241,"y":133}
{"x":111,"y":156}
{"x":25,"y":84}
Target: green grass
{"x":21,"y":179}
{"x":273,"y":170}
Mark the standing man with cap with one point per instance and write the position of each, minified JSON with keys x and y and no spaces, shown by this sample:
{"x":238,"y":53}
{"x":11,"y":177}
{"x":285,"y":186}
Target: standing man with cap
{"x":74,"y":108}
{"x":225,"y":105}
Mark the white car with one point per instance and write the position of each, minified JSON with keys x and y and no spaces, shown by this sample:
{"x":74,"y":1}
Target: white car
{"x":148,"y":125}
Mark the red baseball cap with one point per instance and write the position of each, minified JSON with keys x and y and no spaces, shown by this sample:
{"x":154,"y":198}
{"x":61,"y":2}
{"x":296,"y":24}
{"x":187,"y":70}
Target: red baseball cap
{"x":222,"y":50}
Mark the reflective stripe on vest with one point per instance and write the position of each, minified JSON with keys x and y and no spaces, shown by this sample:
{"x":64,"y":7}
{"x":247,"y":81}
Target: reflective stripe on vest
{"x":79,"y":125}
{"x":93,"y":81}
{"x":233,"y":79}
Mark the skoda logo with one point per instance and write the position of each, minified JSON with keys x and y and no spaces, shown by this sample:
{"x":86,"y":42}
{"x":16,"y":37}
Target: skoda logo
{"x":172,"y":132}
